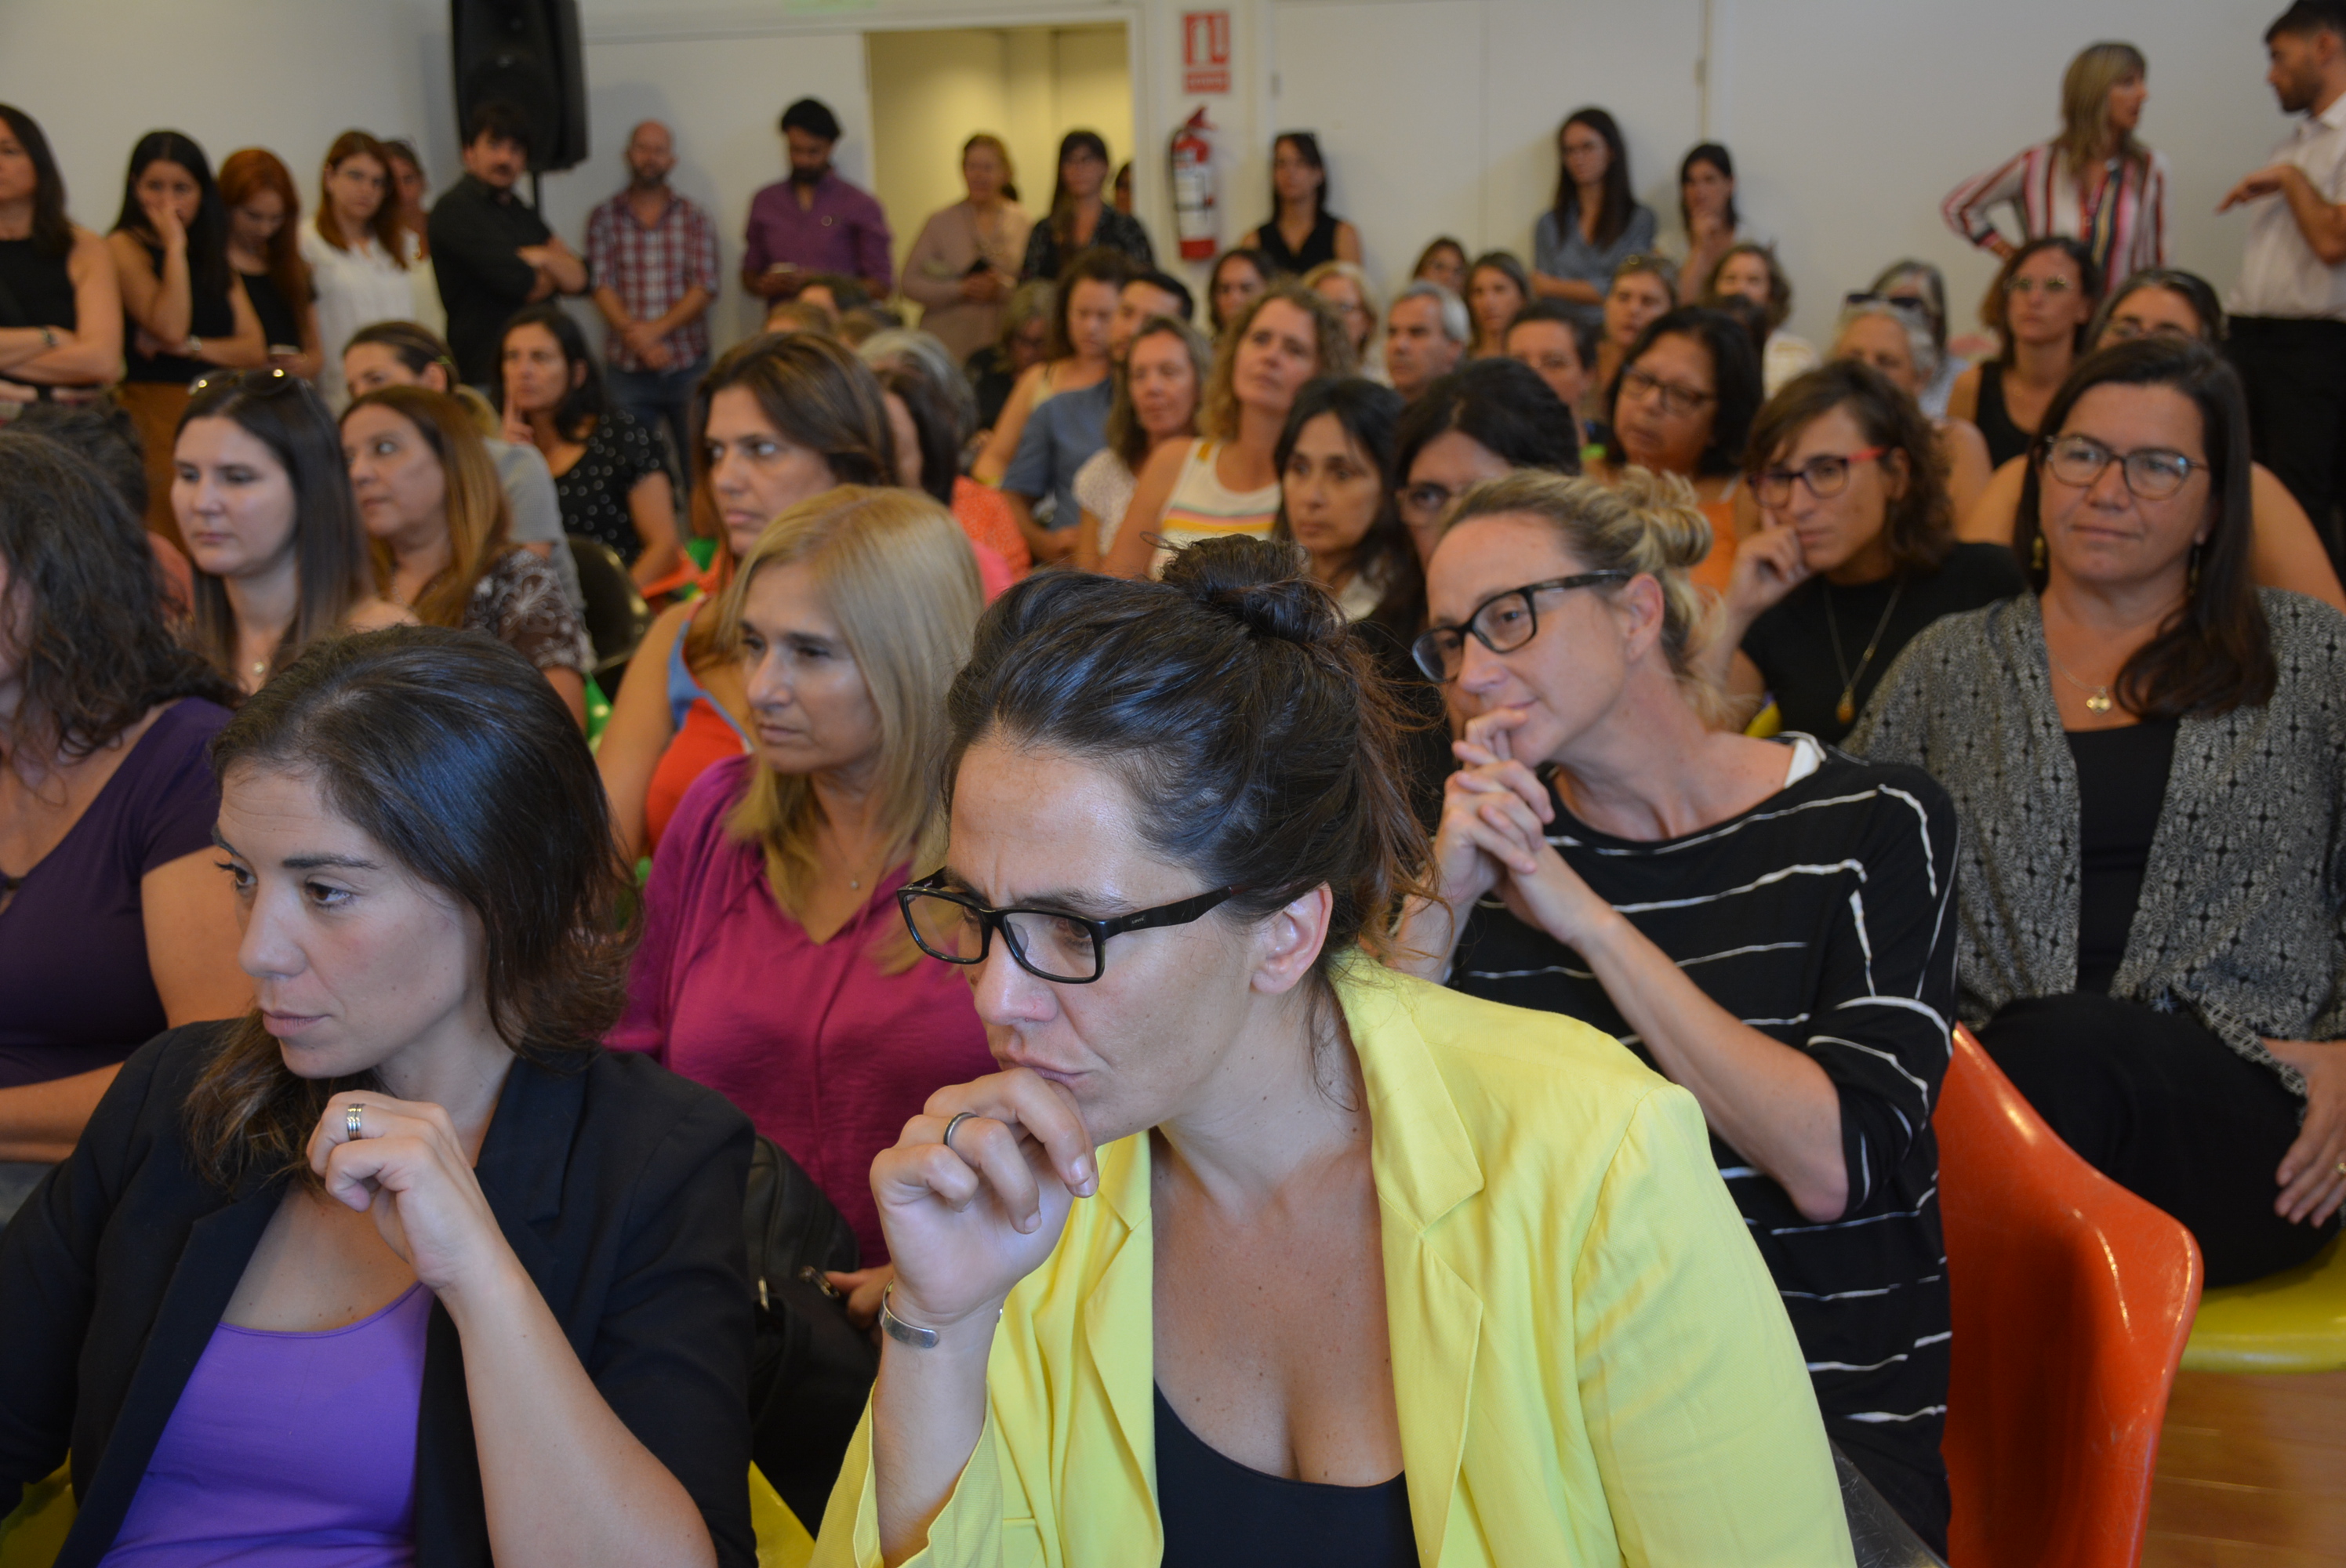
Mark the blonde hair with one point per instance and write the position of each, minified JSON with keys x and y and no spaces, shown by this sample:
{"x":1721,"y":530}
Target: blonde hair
{"x":1646,"y":524}
{"x":1352,"y":272}
{"x":1001,"y":150}
{"x":896,"y":573}
{"x":2085,"y":106}
{"x":480,"y":522}
{"x":1218,"y":410}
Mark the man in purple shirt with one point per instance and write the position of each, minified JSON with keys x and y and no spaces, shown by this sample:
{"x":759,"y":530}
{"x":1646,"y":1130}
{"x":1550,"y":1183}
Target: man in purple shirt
{"x":813,"y":221}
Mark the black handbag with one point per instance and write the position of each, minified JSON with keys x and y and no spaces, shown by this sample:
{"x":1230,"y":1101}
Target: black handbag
{"x":810,"y":1370}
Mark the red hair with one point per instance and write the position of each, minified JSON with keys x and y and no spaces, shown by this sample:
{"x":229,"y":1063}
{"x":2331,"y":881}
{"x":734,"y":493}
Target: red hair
{"x":248,"y":172}
{"x":385,"y":224}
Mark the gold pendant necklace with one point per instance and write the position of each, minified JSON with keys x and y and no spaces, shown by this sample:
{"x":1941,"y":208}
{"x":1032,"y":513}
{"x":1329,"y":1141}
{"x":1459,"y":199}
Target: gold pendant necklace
{"x":1845,"y":710}
{"x":2098,"y":697}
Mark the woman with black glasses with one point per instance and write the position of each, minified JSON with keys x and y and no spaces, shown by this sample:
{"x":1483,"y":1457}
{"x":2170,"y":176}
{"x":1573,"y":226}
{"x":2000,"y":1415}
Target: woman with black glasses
{"x":1365,"y":1272}
{"x":2158,"y":963}
{"x":1855,"y":552}
{"x":1765,"y":924}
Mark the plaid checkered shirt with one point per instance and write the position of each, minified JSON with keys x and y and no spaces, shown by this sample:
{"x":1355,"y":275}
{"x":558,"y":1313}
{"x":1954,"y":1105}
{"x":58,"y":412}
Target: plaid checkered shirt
{"x":651,"y":269}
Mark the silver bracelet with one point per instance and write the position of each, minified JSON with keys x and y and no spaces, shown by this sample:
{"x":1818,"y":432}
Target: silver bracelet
{"x":908,"y":1334}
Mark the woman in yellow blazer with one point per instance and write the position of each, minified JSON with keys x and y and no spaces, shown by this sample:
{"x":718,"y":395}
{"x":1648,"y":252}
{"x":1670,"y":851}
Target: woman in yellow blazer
{"x":1370,"y":1273}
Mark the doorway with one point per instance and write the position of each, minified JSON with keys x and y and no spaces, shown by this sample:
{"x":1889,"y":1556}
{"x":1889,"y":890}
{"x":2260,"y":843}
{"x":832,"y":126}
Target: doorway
{"x":932,"y":88}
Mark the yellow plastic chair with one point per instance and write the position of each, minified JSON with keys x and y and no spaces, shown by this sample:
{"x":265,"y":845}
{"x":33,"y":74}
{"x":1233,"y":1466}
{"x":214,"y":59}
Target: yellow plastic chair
{"x":30,"y":1536}
{"x":2293,"y":1321}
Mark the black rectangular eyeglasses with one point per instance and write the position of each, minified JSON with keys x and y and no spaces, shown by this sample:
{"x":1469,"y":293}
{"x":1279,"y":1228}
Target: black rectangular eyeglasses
{"x":1049,"y":944}
{"x":1502,"y":623}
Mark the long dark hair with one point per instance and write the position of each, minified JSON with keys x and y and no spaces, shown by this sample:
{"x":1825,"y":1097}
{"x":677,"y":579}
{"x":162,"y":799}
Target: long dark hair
{"x":332,"y":571}
{"x":207,"y":272}
{"x":1719,"y":158}
{"x":394,"y":725}
{"x":1063,"y":205}
{"x":1613,"y":216}
{"x":1307,"y":148}
{"x":52,"y":230}
{"x":89,"y":632}
{"x":1918,"y":528}
{"x":583,"y":403}
{"x":2215,"y":653}
{"x":1370,"y":416}
{"x":1253,"y":731}
{"x":2192,"y":289}
{"x":1734,"y":371}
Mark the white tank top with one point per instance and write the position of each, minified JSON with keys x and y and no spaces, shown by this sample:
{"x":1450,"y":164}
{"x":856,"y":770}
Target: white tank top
{"x":1202,"y":507}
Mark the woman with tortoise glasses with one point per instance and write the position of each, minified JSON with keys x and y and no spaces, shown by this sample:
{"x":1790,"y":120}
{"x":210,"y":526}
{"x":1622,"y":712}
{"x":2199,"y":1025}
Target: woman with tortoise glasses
{"x":1172,"y":803}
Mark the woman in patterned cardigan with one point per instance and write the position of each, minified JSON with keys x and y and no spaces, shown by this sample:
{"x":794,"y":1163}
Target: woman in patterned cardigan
{"x":2147,"y":756}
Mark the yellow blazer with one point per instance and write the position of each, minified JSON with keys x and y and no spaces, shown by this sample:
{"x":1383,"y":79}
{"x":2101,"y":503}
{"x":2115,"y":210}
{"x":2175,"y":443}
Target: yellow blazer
{"x":1590,"y":1362}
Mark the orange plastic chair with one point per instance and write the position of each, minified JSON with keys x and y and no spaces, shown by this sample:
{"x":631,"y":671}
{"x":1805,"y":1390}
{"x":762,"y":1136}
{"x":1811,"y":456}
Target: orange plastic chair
{"x":2072,"y":1299}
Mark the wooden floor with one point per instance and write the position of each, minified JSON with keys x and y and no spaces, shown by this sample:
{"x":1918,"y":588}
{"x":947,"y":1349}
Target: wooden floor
{"x":2251,"y":1473}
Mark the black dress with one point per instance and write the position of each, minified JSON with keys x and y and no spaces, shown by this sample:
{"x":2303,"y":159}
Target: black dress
{"x":1119,"y":232}
{"x":1792,"y":642}
{"x":213,"y":315}
{"x":279,"y":327}
{"x":1318,"y":246}
{"x":35,"y":290}
{"x":594,"y":490}
{"x":2005,"y":439}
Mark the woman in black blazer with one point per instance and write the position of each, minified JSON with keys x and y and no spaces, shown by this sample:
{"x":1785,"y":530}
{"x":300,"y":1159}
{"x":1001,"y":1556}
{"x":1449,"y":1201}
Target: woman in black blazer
{"x":402,"y":1261}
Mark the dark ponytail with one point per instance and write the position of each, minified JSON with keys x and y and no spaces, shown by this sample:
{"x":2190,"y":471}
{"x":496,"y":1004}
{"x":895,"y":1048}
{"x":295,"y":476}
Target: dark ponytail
{"x":1260,"y":743}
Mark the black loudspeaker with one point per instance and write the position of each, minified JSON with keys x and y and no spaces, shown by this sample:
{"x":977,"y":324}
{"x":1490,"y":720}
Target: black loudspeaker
{"x":525,"y":53}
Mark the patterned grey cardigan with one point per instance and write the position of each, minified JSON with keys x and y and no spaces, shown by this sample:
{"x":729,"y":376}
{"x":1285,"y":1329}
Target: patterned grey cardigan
{"x":2240,"y":919}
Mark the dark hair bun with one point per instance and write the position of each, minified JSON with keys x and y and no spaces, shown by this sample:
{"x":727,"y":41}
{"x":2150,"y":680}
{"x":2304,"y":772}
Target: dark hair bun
{"x":1261,"y":586}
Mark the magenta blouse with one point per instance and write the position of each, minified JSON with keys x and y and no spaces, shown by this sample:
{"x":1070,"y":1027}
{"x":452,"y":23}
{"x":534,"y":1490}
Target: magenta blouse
{"x":826,"y":1054}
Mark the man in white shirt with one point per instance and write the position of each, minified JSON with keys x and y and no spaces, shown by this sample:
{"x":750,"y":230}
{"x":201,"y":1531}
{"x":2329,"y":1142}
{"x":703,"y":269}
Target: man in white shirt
{"x":2288,"y":308}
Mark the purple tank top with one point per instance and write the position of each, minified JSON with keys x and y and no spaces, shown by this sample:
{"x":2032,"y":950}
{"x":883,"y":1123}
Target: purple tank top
{"x":289,"y":1449}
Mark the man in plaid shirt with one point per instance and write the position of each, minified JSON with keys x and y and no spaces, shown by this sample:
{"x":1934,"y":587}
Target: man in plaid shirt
{"x":653,"y":255}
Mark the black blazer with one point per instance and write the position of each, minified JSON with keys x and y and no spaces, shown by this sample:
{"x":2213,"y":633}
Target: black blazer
{"x":618,"y":1186}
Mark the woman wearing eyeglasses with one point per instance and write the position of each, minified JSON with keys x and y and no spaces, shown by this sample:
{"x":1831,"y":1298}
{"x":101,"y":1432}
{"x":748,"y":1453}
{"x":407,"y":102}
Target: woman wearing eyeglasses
{"x":2158,"y":962}
{"x":1854,"y":555}
{"x":2284,"y":551}
{"x":1682,"y":404}
{"x":1481,"y":421}
{"x":1362,"y":1272}
{"x":1763,"y":922}
{"x":774,"y":967}
{"x":2039,"y":307}
{"x":1895,"y":337}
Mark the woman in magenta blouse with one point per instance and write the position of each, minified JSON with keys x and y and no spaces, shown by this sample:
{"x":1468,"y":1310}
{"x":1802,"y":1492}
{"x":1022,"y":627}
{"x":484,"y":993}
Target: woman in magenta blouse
{"x":774,"y":967}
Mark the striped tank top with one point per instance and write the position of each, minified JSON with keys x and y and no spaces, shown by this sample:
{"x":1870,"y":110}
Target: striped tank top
{"x":1203,"y":507}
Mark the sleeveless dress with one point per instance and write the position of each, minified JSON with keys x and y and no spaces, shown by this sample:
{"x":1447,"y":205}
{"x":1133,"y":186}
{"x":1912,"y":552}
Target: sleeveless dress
{"x":1318,"y":246}
{"x":2005,"y":439}
{"x":1202,"y":507}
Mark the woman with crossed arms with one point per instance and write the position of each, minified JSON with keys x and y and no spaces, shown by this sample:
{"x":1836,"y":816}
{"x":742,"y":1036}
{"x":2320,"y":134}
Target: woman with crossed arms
{"x":1363,"y":1272}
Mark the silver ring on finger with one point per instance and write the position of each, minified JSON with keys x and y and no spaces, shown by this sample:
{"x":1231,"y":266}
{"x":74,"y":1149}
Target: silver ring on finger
{"x":353,"y":1120}
{"x":959,"y":1117}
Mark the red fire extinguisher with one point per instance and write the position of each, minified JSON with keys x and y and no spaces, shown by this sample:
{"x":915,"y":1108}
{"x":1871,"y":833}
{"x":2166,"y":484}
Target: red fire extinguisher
{"x":1196,"y":194}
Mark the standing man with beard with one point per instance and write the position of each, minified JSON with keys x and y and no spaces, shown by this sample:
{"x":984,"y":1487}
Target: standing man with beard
{"x":2288,"y":308}
{"x":814,"y":221}
{"x":491,"y":252}
{"x":654,"y":256}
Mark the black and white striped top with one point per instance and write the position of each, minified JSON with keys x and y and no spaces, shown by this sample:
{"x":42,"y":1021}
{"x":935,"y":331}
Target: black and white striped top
{"x":1823,"y":917}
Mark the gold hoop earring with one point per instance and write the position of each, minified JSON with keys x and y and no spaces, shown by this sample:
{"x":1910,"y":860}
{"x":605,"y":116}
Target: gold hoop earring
{"x":2036,"y":553}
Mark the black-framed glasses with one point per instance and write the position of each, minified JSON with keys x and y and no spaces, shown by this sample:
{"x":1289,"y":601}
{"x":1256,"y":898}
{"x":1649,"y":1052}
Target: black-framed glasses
{"x":1825,"y":474}
{"x":1049,"y":944}
{"x":1676,"y":399}
{"x":2152,"y":473}
{"x":270,"y":382}
{"x":1502,"y":623}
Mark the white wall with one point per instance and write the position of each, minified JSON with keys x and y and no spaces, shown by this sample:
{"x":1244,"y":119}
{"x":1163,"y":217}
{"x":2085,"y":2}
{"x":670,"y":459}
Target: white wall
{"x":1849,"y":118}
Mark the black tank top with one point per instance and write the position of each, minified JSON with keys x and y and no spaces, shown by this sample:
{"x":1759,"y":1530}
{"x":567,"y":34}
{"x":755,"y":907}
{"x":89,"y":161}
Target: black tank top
{"x":1218,"y":1514}
{"x":1318,"y":246}
{"x":2005,"y":439}
{"x":211,"y":317}
{"x":279,"y":327}
{"x":35,"y":290}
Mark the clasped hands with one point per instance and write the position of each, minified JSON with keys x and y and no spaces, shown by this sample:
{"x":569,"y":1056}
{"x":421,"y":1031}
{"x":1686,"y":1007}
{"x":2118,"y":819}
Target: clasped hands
{"x":1494,"y":835}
